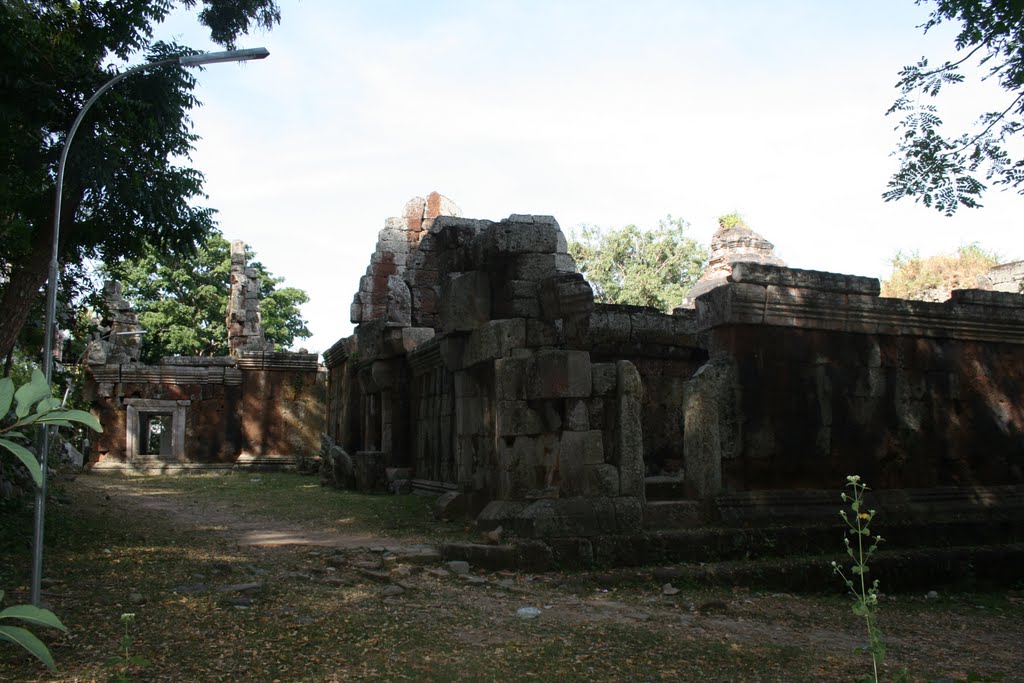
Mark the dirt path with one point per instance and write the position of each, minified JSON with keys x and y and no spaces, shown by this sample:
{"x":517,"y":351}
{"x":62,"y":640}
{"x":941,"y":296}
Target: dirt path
{"x":235,"y":522}
{"x":956,"y":635}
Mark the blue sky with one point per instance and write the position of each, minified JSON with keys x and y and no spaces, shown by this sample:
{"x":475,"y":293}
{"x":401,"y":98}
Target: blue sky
{"x":604,"y":113}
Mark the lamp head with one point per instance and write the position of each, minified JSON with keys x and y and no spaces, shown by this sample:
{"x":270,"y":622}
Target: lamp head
{"x":226,"y":56}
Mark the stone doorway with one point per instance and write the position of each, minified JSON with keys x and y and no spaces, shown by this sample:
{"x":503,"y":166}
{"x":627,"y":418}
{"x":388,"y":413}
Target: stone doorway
{"x":155,"y":429}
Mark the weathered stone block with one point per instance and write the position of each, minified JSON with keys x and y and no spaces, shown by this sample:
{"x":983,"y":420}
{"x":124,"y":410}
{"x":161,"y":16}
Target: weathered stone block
{"x":517,"y":235}
{"x":469,"y":416}
{"x":544,"y":333}
{"x":711,"y":405}
{"x":413,"y":337}
{"x":512,"y":378}
{"x":629,"y":442}
{"x":737,"y":303}
{"x":577,"y":417}
{"x":518,"y":308}
{"x":450,"y":505}
{"x":399,"y":302}
{"x":540,"y":266}
{"x":577,"y":451}
{"x":583,"y":448}
{"x":465,"y":301}
{"x":561,"y":374}
{"x":565,"y":294}
{"x":516,"y":417}
{"x":604,"y":377}
{"x":629,"y":514}
{"x":658,"y":328}
{"x":601,"y":480}
{"x":597,"y":410}
{"x":494,"y":339}
{"x":767,"y":274}
{"x":527,"y":464}
{"x":501,"y":513}
{"x":610,"y":324}
{"x":559,"y":518}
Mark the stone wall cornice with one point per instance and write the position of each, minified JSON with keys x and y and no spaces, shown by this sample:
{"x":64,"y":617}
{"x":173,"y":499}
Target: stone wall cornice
{"x":337,"y":354}
{"x":965,"y":316}
{"x":426,"y":357}
{"x":277,"y":360}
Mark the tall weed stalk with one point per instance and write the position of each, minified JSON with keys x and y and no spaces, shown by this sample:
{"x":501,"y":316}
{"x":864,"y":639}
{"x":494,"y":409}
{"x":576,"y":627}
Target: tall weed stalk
{"x":865,"y":543}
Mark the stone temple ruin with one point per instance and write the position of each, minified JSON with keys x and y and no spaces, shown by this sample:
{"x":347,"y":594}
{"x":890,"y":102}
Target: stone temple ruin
{"x":254,"y":408}
{"x":482,"y":369}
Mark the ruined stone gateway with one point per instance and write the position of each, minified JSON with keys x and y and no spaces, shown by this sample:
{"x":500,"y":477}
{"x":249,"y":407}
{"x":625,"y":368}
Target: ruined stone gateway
{"x":481,"y":368}
{"x":255,"y":408}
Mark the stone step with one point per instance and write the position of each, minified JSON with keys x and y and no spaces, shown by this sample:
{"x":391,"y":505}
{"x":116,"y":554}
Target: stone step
{"x":964,"y":567}
{"x":672,"y":514}
{"x":970,"y":568}
{"x":155,"y":466}
{"x":663,"y":487}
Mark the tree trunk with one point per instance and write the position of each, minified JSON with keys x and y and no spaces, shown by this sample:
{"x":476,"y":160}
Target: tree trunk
{"x":21,"y":292}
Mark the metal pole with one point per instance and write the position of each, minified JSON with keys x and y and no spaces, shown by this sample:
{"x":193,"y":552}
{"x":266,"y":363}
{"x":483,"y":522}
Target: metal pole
{"x":51,"y":286}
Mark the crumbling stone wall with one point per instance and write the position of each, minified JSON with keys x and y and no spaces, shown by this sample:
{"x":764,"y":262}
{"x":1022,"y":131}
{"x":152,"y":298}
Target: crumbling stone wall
{"x":486,"y":387}
{"x":480,"y":368}
{"x":245,"y":329}
{"x":812,"y":375}
{"x":254,"y":402}
{"x":1006,"y":277}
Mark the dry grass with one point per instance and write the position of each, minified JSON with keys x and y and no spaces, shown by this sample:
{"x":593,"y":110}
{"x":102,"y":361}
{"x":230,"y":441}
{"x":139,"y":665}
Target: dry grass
{"x":355,"y":614}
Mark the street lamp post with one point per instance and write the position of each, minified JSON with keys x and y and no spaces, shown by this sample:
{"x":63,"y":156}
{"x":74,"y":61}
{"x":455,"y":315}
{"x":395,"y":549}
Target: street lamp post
{"x":51,"y":286}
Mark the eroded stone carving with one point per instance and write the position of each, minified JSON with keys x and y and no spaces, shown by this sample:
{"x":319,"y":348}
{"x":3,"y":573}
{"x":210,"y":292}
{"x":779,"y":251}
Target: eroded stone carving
{"x":729,"y":245}
{"x":245,"y":330}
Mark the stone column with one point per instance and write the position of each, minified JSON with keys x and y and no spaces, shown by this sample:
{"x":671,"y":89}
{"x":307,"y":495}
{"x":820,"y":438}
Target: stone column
{"x":245,"y":333}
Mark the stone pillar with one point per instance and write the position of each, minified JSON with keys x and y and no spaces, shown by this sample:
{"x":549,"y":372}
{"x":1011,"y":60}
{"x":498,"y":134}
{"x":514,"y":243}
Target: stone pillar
{"x":111,"y":345}
{"x":245,"y":333}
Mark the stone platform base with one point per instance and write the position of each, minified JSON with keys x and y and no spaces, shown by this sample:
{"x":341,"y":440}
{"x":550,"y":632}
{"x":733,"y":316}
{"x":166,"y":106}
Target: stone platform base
{"x":244,"y":463}
{"x":157,"y":467}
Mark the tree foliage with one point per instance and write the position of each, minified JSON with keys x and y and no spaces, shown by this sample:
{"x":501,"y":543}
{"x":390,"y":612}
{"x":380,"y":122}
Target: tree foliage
{"x":934,"y":277}
{"x":182,"y":301}
{"x":125,"y":187}
{"x":639,"y":267}
{"x":950,"y":170}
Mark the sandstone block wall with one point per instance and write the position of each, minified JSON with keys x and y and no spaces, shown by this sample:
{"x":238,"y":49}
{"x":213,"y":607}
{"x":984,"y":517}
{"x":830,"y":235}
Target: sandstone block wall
{"x":259,"y":404}
{"x":481,"y":368}
{"x":487,"y":386}
{"x":255,"y":402}
{"x":812,"y":376}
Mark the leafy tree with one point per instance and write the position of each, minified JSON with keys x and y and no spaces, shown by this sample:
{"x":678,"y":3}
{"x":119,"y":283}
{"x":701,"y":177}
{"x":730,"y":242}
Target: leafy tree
{"x":934,"y":277}
{"x":640,"y":267}
{"x":124,"y":190}
{"x":947,"y":171}
{"x":182,"y":301}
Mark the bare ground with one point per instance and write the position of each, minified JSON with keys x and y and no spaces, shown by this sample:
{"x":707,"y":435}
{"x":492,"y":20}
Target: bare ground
{"x":469,"y":624}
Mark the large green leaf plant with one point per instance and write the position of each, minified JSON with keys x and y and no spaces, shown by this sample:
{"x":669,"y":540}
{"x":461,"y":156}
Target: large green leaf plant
{"x":33,"y":405}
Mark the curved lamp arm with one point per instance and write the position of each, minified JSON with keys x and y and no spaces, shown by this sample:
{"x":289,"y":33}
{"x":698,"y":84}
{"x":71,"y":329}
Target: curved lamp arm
{"x":51,"y":287}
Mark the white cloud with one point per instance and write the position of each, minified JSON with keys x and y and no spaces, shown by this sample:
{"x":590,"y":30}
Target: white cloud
{"x":597,"y":112}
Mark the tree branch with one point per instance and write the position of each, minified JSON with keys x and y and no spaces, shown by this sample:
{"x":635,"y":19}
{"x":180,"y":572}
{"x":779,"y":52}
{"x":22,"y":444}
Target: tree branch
{"x":953,"y":65}
{"x":988,"y":127}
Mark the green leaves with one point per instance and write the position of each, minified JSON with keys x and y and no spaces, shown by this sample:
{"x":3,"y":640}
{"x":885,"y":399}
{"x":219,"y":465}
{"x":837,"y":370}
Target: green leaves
{"x":182,"y":300}
{"x":642,"y":267}
{"x":27,"y":458}
{"x":30,"y":393}
{"x":865,"y":598}
{"x":6,"y":395}
{"x":25,"y":638}
{"x":47,"y":411}
{"x":947,"y":171}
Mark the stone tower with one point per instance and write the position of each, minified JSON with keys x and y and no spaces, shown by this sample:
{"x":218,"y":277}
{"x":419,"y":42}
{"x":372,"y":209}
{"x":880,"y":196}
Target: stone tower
{"x":245,"y":333}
